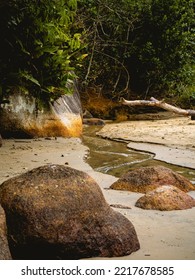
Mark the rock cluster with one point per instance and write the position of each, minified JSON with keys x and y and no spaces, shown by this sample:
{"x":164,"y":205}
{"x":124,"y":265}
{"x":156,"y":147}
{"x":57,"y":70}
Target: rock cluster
{"x":145,"y":179}
{"x":56,"y":212}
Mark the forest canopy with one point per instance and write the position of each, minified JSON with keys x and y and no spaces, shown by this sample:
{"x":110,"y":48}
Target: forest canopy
{"x":121,"y":47}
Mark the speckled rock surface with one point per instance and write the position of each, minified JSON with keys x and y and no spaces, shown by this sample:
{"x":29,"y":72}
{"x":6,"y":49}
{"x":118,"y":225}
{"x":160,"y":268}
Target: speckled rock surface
{"x":4,"y":248}
{"x":57,"y":212}
{"x":145,"y":179}
{"x":166,"y":198}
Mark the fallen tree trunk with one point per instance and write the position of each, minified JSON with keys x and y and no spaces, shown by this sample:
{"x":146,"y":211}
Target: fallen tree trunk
{"x":161,"y":104}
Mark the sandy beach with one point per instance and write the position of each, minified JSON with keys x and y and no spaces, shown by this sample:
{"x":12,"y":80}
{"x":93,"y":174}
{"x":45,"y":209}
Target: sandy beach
{"x":170,"y":140}
{"x":162,"y":235}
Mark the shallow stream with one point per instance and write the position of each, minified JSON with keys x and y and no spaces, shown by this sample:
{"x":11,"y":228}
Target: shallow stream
{"x":115,"y":158}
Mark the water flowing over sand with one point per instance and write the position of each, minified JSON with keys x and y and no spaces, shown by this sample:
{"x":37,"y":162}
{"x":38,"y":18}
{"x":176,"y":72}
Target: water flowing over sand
{"x":162,"y":235}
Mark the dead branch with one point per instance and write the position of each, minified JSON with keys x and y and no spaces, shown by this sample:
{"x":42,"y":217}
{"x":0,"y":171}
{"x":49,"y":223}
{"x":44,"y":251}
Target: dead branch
{"x":156,"y":103}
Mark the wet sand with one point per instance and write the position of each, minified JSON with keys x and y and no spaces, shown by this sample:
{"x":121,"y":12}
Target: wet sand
{"x":162,"y":235}
{"x":21,"y":155}
{"x":172,"y":140}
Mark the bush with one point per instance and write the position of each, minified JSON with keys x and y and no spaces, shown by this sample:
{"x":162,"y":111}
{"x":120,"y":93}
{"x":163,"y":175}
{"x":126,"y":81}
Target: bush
{"x":39,"y":46}
{"x":144,"y":46}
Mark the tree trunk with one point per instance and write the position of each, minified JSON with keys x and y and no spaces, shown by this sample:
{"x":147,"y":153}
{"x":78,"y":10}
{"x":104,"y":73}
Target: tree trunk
{"x":161,"y":104}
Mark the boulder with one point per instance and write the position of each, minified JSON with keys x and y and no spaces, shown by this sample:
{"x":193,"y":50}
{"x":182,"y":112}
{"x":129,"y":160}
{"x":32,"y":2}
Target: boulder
{"x":166,"y":198}
{"x":22,"y":117}
{"x":57,"y":212}
{"x":0,"y":140}
{"x":145,"y":179}
{"x":4,"y":248}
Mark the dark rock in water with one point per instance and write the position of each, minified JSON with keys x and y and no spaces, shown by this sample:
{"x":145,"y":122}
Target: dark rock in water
{"x":87,"y":114}
{"x":4,"y":248}
{"x":93,"y":121}
{"x":166,"y":198}
{"x":56,"y":212}
{"x":145,"y":179}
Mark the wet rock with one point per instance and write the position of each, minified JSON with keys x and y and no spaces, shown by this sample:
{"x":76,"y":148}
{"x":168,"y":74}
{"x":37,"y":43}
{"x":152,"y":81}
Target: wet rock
{"x":166,"y":198}
{"x":93,"y":121}
{"x":87,"y":114}
{"x":145,"y":179}
{"x":56,"y":212}
{"x":21,"y":118}
{"x":120,"y":206}
{"x":4,"y":248}
{"x":0,"y":140}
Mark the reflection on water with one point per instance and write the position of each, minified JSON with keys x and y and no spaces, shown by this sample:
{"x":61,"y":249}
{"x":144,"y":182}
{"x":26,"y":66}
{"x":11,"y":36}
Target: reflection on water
{"x":115,"y":158}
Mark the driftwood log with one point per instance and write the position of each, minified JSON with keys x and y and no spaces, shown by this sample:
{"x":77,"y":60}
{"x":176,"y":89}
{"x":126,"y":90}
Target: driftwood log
{"x":161,"y":104}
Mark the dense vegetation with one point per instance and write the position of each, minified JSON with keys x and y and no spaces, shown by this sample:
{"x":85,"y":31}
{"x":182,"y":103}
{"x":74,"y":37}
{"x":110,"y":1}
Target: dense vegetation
{"x":145,"y":46}
{"x":131,"y":48}
{"x":39,"y":46}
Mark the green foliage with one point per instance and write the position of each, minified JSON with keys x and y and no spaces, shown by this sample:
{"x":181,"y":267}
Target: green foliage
{"x":163,"y":54}
{"x":142,"y":46}
{"x":40,"y":48}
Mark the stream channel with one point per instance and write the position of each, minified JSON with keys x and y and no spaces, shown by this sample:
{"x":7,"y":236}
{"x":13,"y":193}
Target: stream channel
{"x":114,"y":158}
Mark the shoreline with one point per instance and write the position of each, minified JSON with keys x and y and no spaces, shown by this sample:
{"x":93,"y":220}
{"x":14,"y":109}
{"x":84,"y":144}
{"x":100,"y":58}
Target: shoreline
{"x":175,"y":146}
{"x":175,"y":156}
{"x":162,"y":235}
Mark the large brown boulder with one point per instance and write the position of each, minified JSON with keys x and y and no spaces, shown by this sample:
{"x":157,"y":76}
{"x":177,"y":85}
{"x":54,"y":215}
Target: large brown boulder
{"x":56,"y":212}
{"x":166,"y":198}
{"x":145,"y":179}
{"x":4,"y":248}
